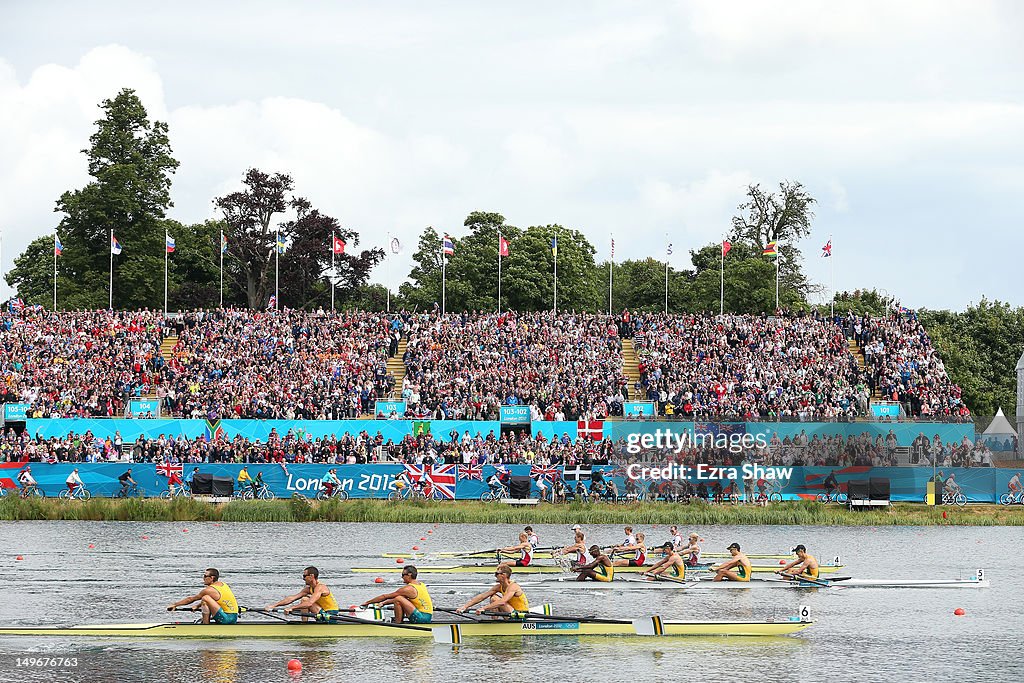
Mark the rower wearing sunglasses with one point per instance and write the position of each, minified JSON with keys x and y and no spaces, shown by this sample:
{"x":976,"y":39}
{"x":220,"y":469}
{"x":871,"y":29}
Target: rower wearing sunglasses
{"x":506,"y":596}
{"x":315,"y":598}
{"x":216,"y":600}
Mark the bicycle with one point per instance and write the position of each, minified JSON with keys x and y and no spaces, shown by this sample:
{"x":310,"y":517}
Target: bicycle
{"x":954,"y":498}
{"x":263,"y":493}
{"x":176,"y":491}
{"x":492,"y":494}
{"x":130,"y":492}
{"x":339,"y":493}
{"x":79,"y":492}
{"x":1011,"y":498}
{"x":30,"y":491}
{"x":834,"y":496}
{"x":405,"y":493}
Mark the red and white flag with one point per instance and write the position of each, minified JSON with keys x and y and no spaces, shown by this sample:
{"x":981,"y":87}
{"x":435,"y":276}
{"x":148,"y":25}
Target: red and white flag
{"x":339,"y":245}
{"x":166,"y":469}
{"x":502,"y":246}
{"x":590,"y":429}
{"x":726,"y":246}
{"x":551,"y":472}
{"x":471,"y":472}
{"x":439,"y":478}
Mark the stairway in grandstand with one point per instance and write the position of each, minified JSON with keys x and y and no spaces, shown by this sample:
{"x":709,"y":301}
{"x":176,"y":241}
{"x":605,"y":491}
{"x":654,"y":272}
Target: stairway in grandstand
{"x":858,"y":353}
{"x":396,"y":368}
{"x":167,"y":347}
{"x":630,"y":365}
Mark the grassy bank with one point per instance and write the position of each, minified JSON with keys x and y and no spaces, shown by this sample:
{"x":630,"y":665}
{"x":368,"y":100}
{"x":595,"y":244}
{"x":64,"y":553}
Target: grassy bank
{"x":297,"y":510}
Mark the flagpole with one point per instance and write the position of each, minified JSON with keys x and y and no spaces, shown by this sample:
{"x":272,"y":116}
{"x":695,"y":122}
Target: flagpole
{"x":721,"y":299}
{"x":110,"y":299}
{"x":55,"y":270}
{"x":166,"y":253}
{"x":333,"y":238}
{"x":444,"y":262}
{"x":667,"y":253}
{"x":778,"y":257}
{"x":222,"y":268}
{"x":387,"y":249}
{"x":277,"y":266}
{"x":611,"y":261}
{"x":499,"y":272}
{"x":555,"y":301}
{"x":832,"y":284}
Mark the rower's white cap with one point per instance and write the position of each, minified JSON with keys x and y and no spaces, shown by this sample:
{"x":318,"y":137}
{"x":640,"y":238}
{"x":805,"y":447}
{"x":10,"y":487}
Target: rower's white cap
{"x":575,"y":527}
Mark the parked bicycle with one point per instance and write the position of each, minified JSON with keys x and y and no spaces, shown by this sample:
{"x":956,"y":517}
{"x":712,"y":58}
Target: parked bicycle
{"x":78,"y":493}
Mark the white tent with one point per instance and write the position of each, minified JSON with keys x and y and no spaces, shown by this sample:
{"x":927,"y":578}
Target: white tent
{"x":1000,"y":433}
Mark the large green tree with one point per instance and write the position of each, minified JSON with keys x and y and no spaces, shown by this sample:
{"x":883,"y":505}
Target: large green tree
{"x":131,"y":164}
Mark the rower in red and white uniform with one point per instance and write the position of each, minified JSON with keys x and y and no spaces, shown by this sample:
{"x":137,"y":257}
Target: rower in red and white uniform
{"x":677,"y":540}
{"x":532,"y":537}
{"x":577,"y":552}
{"x":690,"y":552}
{"x":525,"y":550}
{"x":638,"y":550}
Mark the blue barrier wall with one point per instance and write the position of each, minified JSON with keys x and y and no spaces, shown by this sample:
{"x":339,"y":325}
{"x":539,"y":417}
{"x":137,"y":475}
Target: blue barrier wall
{"x":982,"y":484}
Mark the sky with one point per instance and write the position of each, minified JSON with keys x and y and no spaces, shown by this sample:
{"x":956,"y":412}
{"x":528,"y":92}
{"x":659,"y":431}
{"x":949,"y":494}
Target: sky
{"x":642,"y":121}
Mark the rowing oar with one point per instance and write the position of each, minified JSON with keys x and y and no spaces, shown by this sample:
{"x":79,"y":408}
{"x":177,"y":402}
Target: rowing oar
{"x":806,"y":579}
{"x":338,"y":618}
{"x":530,"y":616}
{"x":242,"y":608}
{"x":670,"y":579}
{"x":456,"y":612}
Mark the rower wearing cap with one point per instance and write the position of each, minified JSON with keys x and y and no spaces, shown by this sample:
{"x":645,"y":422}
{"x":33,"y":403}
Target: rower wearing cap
{"x":216,"y":600}
{"x":506,"y":595}
{"x":736,"y":569}
{"x":524,"y":548}
{"x":411,"y":601}
{"x":601,"y":569}
{"x":804,"y":566}
{"x":690,"y":552}
{"x":315,"y":598}
{"x":638,"y":550}
{"x":532,"y":537}
{"x":672,"y":562}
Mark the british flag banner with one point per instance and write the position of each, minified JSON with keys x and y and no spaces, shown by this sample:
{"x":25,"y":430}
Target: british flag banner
{"x":590,"y":429}
{"x":471,"y":472}
{"x":440,"y":479}
{"x":166,"y":469}
{"x":551,"y":472}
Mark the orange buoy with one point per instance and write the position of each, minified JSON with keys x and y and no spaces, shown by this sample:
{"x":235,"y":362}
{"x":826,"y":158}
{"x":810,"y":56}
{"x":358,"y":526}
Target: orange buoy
{"x":144,"y":538}
{"x":782,"y":562}
{"x":416,"y":547}
{"x":378,"y":580}
{"x":91,"y":546}
{"x":423,"y":538}
{"x":944,"y":515}
{"x":399,"y":560}
{"x":430,"y":531}
{"x":294,"y":665}
{"x":959,"y":611}
{"x":19,"y":557}
{"x":184,"y":531}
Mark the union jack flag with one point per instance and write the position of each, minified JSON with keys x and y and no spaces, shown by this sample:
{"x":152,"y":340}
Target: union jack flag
{"x":551,"y":472}
{"x":438,"y":478}
{"x":166,"y":469}
{"x":592,"y":429}
{"x":471,"y":472}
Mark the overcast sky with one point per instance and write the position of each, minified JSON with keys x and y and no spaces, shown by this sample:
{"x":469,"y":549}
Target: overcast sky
{"x":904,"y":119}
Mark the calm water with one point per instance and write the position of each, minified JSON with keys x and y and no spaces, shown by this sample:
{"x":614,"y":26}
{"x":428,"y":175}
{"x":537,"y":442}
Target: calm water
{"x":861,"y":633}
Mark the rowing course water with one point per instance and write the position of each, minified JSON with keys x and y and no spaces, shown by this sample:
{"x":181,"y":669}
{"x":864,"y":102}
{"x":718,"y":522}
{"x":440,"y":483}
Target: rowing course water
{"x":863,"y":633}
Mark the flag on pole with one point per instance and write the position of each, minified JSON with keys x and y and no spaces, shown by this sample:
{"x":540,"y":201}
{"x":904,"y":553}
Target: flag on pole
{"x":396,"y":246}
{"x":502,"y":246}
{"x":613,"y":249}
{"x":339,"y":245}
{"x":58,"y":248}
{"x":115,"y":246}
{"x":554,"y":246}
{"x":669,"y":248}
{"x":826,"y":250}
{"x":169,"y":243}
{"x":772,"y":249}
{"x":447,"y":246}
{"x":280,"y":244}
{"x":272,"y":303}
{"x":223,"y":243}
{"x":726,"y":246}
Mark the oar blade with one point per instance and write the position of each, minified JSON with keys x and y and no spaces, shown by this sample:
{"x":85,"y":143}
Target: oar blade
{"x":649,"y":626}
{"x":450,"y":634}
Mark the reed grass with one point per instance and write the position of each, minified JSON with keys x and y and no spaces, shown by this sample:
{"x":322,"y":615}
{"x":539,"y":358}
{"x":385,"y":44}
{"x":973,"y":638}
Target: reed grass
{"x":799,"y":513}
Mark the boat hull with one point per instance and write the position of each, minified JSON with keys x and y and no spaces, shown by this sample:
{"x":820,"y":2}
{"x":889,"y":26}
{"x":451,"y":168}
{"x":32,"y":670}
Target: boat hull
{"x":546,"y":555}
{"x":550,"y":569}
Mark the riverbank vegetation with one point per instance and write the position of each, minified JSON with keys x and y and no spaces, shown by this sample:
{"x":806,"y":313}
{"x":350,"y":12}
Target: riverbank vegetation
{"x":469,"y":512}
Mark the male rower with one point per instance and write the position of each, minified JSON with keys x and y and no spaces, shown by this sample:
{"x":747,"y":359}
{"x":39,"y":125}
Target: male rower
{"x":690,"y":552}
{"x":638,"y":550}
{"x":677,"y":539}
{"x":315,"y":598}
{"x":600,"y":569}
{"x":805,"y":566}
{"x":736,"y":569}
{"x":411,"y":601}
{"x":216,"y":600}
{"x":672,"y":562}
{"x":506,"y":595}
{"x":73,"y":481}
{"x":524,"y":548}
{"x":579,"y":549}
{"x":532,"y":537}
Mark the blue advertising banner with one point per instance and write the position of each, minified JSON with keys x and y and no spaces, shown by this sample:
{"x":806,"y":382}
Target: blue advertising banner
{"x":515,"y":415}
{"x":15,"y":412}
{"x":387,"y":409}
{"x":144,"y":407}
{"x":638,"y":409}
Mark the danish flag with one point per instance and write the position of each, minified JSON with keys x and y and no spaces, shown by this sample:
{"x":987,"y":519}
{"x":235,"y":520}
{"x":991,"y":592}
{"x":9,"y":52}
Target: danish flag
{"x":592,"y":429}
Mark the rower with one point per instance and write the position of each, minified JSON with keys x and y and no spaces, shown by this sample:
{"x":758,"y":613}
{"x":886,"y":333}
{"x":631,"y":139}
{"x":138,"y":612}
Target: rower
{"x":506,"y":595}
{"x":532,"y":537}
{"x":216,"y":600}
{"x":677,"y":540}
{"x":411,"y":601}
{"x":805,"y":566}
{"x":315,"y":598}
{"x":638,"y":548}
{"x":672,"y":562}
{"x":579,"y":548}
{"x":690,"y":552}
{"x":601,"y":569}
{"x":524,"y":548}
{"x":736,"y":569}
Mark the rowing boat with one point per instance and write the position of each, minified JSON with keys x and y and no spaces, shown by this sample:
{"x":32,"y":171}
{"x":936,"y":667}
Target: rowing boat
{"x":481,"y":568}
{"x":548,"y":555}
{"x":842,"y":581}
{"x":312,"y":629}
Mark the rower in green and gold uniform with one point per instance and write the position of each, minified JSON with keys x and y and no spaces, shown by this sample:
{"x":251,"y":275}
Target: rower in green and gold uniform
{"x":315,"y":598}
{"x":601,"y":569}
{"x":216,"y":600}
{"x":411,"y":601}
{"x":506,"y":595}
{"x":736,"y":569}
{"x":673,"y":563}
{"x":804,"y":566}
